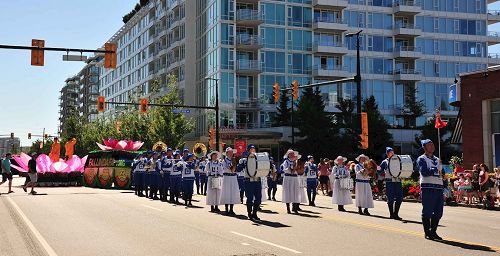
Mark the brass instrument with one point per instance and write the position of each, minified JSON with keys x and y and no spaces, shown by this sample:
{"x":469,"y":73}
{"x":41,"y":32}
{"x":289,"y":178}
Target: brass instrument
{"x":234,"y":163}
{"x":160,"y":146}
{"x":200,"y":150}
{"x":371,"y":167}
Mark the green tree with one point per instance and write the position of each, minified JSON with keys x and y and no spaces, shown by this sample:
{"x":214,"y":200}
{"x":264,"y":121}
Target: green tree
{"x":346,"y":107}
{"x":283,"y":111}
{"x":378,"y":134}
{"x":413,"y":108}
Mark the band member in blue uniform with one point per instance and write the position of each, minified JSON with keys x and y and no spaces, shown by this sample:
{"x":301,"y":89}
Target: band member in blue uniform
{"x":176,"y":179}
{"x":394,"y":189}
{"x":363,"y":189}
{"x":167,"y":165}
{"x":214,"y":185}
{"x":155,"y":176}
{"x":311,"y":173}
{"x":149,"y":166}
{"x":230,"y":189}
{"x":197,"y":174}
{"x":272,"y":181}
{"x":188,"y":179}
{"x":185,"y":154}
{"x":161,"y":183}
{"x":431,"y":185}
{"x":203,"y":175}
{"x":253,"y":187}
{"x":241,"y":175}
{"x":139,"y":169}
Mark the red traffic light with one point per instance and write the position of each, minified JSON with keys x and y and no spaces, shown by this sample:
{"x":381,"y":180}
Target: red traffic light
{"x":110,"y":55}
{"x":101,"y":103}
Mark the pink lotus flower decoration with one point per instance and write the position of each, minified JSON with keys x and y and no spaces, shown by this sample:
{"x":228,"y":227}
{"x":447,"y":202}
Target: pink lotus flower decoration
{"x":112,"y":144}
{"x":45,"y":165}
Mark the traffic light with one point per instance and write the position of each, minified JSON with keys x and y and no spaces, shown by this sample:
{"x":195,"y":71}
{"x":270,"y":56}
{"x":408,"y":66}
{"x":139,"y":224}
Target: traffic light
{"x":46,"y":136}
{"x":101,"y":103}
{"x":110,"y":55}
{"x":211,"y":134}
{"x":29,"y":136}
{"x":364,"y":130}
{"x":12,"y":135}
{"x":37,"y":56}
{"x":295,"y":89}
{"x":144,"y":106}
{"x":276,"y":92}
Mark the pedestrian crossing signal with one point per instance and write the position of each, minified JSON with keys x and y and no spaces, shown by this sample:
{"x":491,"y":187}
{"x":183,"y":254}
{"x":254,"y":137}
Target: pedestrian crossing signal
{"x":144,"y":106}
{"x":295,"y":89}
{"x":101,"y":103}
{"x":276,"y":92}
{"x":11,"y":135}
{"x":110,"y":55}
{"x":29,"y":136}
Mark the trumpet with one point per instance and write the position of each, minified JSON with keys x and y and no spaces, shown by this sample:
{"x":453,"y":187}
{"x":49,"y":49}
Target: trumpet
{"x":199,"y":150}
{"x":159,"y":146}
{"x":371,"y":167}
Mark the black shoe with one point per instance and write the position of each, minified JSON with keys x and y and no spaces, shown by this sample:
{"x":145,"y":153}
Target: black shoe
{"x":341,"y":208}
{"x":396,"y":211}
{"x":254,"y":215}
{"x":274,"y":199}
{"x":288,"y":209}
{"x":217,"y":209}
{"x":366,"y":212}
{"x":360,"y":211}
{"x":25,"y":190}
{"x":426,"y":223}
{"x":212,"y":208}
{"x":434,"y":226}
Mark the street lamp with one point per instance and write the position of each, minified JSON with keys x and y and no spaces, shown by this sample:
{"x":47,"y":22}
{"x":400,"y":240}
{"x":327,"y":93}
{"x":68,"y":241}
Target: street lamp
{"x":216,"y":110}
{"x":357,"y":78}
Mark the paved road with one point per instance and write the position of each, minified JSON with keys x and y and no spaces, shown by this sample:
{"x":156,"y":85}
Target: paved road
{"x":85,"y":221}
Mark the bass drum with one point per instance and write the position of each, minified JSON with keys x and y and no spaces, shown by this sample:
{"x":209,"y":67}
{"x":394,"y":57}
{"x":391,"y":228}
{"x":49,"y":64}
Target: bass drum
{"x":401,"y":166}
{"x":258,"y":165}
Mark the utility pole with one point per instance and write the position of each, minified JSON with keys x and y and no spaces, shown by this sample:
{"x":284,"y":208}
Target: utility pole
{"x":357,"y":78}
{"x":217,"y":138}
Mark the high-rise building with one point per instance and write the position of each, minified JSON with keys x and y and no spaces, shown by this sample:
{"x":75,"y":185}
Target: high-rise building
{"x":68,"y":100}
{"x":89,"y":88}
{"x":245,"y":46}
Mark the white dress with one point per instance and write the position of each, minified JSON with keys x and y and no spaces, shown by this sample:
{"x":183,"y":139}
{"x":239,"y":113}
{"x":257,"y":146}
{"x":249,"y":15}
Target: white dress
{"x":364,"y":197}
{"x":292,"y":192}
{"x":214,"y":169}
{"x":230,"y":189}
{"x":340,"y":196}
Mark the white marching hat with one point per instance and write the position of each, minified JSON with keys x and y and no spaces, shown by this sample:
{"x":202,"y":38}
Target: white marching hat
{"x":292,"y":151}
{"x":230,"y":149}
{"x":214,"y":152}
{"x":362,"y":156}
{"x":340,"y":158}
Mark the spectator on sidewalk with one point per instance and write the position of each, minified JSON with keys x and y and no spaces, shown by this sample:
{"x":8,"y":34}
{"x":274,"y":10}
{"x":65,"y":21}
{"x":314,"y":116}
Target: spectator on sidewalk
{"x":324,"y":173}
{"x":7,"y":172}
{"x":32,"y":174}
{"x":475,"y":183}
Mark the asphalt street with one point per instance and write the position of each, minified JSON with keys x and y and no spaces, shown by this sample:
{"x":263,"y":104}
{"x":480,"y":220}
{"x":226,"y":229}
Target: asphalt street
{"x":86,"y":221}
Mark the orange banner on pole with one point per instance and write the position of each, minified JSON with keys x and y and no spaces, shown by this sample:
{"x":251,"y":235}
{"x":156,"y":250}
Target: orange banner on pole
{"x":364,"y":130}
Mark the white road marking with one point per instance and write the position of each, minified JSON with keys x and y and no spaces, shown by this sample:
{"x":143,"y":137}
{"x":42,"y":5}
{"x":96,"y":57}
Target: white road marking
{"x":151,"y":207}
{"x":35,"y":231}
{"x":245,"y":244}
{"x":266,"y":242}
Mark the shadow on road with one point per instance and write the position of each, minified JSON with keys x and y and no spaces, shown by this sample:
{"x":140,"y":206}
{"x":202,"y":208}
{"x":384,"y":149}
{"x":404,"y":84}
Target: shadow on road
{"x":307,"y":215}
{"x":306,"y":211}
{"x":268,"y":211}
{"x":467,"y":246}
{"x":271,"y":224}
{"x":193,"y":207}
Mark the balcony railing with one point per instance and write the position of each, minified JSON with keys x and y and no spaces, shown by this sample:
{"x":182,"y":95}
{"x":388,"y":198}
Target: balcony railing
{"x":248,"y":15}
{"x":494,"y":55}
{"x":406,"y":3}
{"x":330,"y":20}
{"x":407,"y":49}
{"x":329,"y":44}
{"x":494,"y":12}
{"x":493,"y":34}
{"x":248,"y":65}
{"x":406,"y":26}
{"x":330,"y":67}
{"x":247,"y":104}
{"x":248,"y":40}
{"x":405,"y":72}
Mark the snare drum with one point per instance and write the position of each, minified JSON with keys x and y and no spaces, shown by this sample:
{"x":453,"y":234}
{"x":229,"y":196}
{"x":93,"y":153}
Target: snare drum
{"x":216,"y":182}
{"x":400,"y":166}
{"x":258,"y":165}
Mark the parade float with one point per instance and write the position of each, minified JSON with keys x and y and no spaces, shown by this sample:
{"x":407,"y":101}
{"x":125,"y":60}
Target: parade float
{"x":110,"y":167}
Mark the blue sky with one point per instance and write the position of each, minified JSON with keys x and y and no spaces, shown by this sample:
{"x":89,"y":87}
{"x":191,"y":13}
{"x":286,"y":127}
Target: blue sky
{"x":29,"y":95}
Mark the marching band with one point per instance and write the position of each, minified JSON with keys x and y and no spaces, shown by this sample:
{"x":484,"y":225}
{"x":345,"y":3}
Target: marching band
{"x":226,"y":181}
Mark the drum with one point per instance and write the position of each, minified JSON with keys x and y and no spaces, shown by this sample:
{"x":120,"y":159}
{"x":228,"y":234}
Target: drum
{"x":258,"y":165}
{"x":400,"y":166}
{"x":216,"y":183}
{"x":346,"y":183}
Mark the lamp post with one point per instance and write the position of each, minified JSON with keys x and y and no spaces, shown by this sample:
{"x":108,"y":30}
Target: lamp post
{"x":216,"y":111}
{"x":357,"y":78}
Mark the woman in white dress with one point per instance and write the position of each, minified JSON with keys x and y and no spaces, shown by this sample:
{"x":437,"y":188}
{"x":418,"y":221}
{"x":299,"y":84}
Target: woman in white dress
{"x":340,"y":196}
{"x":292,"y":192}
{"x":230,"y":189}
{"x":364,"y":197}
{"x":214,"y":171}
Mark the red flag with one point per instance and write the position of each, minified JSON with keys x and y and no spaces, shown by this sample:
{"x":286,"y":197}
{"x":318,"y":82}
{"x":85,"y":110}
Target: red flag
{"x":439,"y":123}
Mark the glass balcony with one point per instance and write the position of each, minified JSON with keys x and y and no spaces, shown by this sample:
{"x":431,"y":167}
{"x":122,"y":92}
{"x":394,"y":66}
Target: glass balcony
{"x":410,"y":52}
{"x":338,"y":4}
{"x":330,"y":47}
{"x":248,"y":67}
{"x":329,"y":24}
{"x":247,"y":104}
{"x":406,"y":75}
{"x":493,"y":16}
{"x":331,"y":71}
{"x":406,"y":7}
{"x":248,"y":42}
{"x":493,"y":37}
{"x":248,"y":17}
{"x":407,"y":30}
